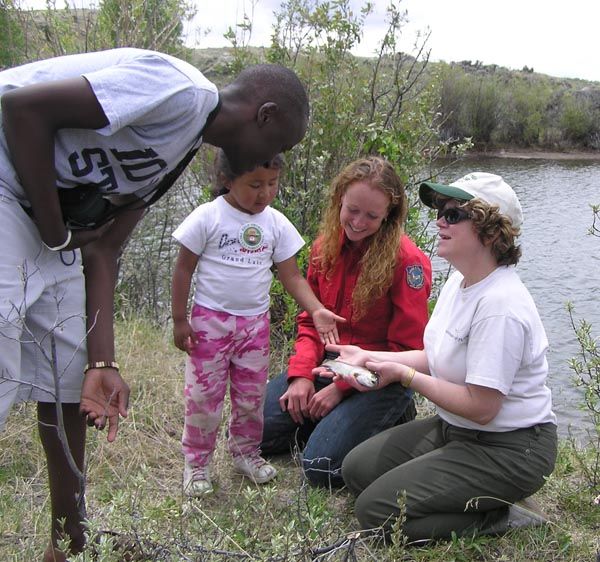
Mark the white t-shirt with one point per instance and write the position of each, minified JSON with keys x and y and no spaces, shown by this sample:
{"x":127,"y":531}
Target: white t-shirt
{"x":490,"y":334}
{"x":236,"y":251}
{"x":156,"y":106}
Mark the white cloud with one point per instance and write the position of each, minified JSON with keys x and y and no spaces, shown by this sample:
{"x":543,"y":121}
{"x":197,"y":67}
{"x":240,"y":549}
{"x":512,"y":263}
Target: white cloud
{"x":212,"y":22}
{"x":552,"y":36}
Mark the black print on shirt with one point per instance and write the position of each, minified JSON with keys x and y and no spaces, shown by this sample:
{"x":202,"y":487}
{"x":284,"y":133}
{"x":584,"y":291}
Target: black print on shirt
{"x":226,"y":241}
{"x":137,"y":165}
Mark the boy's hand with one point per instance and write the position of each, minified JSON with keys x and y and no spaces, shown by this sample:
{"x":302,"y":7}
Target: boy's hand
{"x":80,"y":238}
{"x":104,"y":396}
{"x":184,"y":337}
{"x":325,"y":323}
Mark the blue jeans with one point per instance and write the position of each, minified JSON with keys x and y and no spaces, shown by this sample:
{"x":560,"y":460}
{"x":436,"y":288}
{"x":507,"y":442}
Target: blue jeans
{"x":324,"y":444}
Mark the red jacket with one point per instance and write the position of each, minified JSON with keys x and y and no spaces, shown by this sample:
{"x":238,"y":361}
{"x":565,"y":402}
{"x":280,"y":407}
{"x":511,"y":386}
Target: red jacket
{"x":395,"y":322}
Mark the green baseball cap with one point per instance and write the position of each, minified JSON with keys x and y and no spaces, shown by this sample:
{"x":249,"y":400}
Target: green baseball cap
{"x":478,"y":185}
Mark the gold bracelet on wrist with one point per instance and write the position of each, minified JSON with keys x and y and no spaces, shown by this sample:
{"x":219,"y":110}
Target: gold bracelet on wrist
{"x":410,"y":377}
{"x":101,"y":365}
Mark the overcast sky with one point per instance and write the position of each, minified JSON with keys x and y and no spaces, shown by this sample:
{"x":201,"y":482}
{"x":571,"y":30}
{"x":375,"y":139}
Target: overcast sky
{"x":552,"y":36}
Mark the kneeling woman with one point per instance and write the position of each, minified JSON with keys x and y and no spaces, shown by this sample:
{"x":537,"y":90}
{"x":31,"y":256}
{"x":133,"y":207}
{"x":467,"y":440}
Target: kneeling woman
{"x":493,"y":440}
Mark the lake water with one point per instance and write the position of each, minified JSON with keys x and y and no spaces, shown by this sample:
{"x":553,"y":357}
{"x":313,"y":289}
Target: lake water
{"x":561,"y":261}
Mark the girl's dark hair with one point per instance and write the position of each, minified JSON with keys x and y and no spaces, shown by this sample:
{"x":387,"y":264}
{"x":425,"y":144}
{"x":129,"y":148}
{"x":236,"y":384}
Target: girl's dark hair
{"x":222,"y":170}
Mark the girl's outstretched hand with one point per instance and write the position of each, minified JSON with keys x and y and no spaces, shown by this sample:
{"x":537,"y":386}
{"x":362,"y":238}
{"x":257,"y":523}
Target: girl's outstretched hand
{"x":325,"y":323}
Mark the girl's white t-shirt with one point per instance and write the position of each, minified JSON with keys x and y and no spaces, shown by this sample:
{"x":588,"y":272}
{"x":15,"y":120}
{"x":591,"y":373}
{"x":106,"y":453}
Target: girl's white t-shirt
{"x":236,"y":252}
{"x":490,"y":334}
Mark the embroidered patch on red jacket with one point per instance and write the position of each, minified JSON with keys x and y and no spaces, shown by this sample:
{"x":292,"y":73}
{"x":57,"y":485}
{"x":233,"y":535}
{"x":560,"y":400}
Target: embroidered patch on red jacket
{"x":415,"y":276}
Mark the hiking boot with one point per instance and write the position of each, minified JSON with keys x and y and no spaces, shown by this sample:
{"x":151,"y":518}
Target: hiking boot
{"x":526,"y":513}
{"x":196,"y":481}
{"x":255,"y":468}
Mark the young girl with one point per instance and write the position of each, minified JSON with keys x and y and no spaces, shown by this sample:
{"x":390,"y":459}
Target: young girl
{"x":231,"y":243}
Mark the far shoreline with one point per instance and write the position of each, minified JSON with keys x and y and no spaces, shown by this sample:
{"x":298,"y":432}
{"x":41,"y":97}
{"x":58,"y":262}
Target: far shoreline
{"x":533,"y":154}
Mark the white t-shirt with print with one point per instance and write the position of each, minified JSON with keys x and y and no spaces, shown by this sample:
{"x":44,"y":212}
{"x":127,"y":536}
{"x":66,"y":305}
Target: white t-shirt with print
{"x":236,"y":252}
{"x":490,"y":334}
{"x":156,"y":106}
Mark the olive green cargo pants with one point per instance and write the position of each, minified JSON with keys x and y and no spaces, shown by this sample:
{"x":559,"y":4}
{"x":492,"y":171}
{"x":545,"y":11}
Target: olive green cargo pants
{"x":455,"y":480}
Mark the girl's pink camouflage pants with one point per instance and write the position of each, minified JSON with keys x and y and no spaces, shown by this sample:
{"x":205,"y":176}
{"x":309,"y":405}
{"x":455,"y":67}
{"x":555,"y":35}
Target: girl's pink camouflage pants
{"x":234,"y":348}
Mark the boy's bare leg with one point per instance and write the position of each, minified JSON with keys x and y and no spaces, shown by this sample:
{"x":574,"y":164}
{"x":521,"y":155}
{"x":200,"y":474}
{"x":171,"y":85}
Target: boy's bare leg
{"x":64,"y":485}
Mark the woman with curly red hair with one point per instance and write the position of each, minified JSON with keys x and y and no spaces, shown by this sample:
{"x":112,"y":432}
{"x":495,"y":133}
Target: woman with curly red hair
{"x":366,"y":269}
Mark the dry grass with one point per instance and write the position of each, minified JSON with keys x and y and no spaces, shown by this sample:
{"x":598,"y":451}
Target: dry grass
{"x":134,"y":489}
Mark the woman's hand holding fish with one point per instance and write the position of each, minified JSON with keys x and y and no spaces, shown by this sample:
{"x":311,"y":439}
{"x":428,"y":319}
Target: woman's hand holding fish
{"x":350,"y":354}
{"x":323,"y":371}
{"x":389,"y":372}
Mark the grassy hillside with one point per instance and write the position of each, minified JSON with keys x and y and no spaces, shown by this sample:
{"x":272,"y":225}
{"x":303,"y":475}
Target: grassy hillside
{"x":491,"y":105}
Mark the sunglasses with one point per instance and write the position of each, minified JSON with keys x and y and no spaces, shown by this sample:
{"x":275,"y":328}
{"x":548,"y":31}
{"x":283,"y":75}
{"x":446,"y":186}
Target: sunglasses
{"x":453,"y":215}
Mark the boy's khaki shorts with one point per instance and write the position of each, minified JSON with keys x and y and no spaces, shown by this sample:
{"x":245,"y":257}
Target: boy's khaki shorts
{"x":42,"y":306}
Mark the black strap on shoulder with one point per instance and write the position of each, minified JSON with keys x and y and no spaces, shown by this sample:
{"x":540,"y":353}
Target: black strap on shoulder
{"x":170,"y":178}
{"x":111,"y":211}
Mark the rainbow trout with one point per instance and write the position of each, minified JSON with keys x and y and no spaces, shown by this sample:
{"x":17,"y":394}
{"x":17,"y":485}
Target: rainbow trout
{"x":362,"y":375}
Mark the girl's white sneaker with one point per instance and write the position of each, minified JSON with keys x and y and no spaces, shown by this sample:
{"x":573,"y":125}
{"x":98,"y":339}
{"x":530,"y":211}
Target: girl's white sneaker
{"x":255,"y":468}
{"x":196,"y":481}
